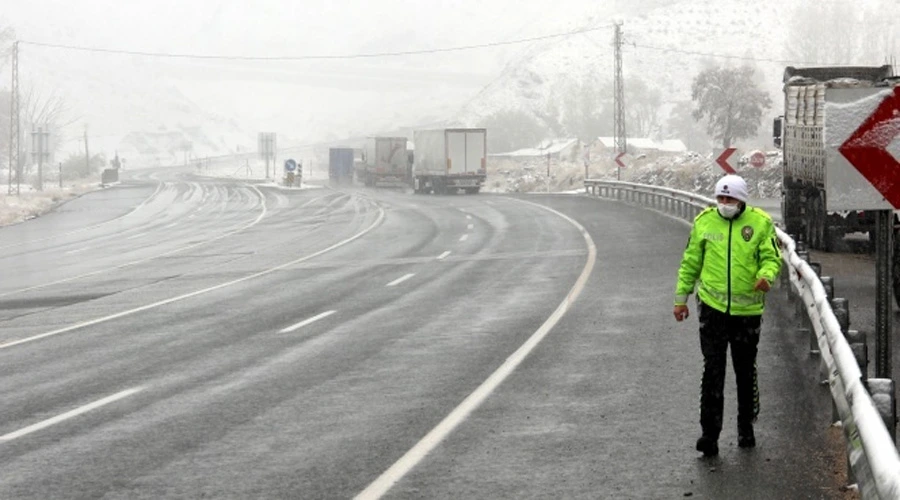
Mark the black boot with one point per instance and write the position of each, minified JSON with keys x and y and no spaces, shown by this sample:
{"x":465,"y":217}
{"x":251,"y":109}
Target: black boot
{"x":708,"y":445}
{"x":746,"y":439}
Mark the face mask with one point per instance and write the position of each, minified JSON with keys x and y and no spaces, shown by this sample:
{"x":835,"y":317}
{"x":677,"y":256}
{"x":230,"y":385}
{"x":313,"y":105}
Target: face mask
{"x":727,"y":210}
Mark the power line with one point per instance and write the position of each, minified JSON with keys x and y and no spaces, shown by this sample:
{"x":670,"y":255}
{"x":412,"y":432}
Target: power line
{"x":731,"y":56}
{"x":313,"y":57}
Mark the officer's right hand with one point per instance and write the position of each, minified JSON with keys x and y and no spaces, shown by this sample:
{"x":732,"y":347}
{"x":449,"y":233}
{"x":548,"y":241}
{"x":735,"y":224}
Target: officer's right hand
{"x":681,"y":312}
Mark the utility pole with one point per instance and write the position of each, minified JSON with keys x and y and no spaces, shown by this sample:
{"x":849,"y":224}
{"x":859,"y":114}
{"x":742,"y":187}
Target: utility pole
{"x":87,"y":154}
{"x":14,"y":122}
{"x":619,"y":97}
{"x":548,"y":171}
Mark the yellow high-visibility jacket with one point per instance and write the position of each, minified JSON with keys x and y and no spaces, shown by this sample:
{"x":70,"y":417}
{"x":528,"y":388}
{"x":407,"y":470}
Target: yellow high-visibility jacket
{"x":725,"y":258}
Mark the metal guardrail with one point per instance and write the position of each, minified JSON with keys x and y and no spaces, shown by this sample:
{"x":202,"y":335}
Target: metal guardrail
{"x":873,"y":456}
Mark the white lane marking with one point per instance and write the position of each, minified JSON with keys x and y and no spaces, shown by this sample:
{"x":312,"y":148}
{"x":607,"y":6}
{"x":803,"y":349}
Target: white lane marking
{"x":78,"y":250}
{"x":441,"y":256}
{"x":411,"y":458}
{"x":136,"y":236}
{"x":464,"y":237}
{"x":69,"y":414}
{"x":401,"y":279}
{"x":197,"y":292}
{"x":307,"y":322}
{"x":468,"y":217}
{"x":470,"y":226}
{"x":262,"y":214}
{"x":170,"y":225}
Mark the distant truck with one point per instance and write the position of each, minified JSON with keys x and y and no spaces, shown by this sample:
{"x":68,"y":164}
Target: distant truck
{"x":385,"y":162}
{"x":447,"y":160}
{"x":340,"y":166}
{"x":801,"y":135}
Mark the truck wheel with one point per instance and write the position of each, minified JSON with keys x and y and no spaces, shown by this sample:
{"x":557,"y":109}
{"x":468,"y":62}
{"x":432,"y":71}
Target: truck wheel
{"x":790,"y":212}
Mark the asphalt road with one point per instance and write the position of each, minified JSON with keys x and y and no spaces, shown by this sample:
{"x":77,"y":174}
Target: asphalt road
{"x":182,"y":338}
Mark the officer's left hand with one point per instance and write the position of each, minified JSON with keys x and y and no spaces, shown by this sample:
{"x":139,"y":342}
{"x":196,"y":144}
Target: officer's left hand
{"x":762,"y":285}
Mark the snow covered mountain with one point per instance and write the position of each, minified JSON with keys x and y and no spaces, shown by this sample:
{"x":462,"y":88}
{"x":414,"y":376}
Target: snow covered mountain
{"x":666,"y":47}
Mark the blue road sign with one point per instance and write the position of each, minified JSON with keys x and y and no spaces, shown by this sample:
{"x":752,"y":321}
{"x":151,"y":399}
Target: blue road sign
{"x":290,"y":165}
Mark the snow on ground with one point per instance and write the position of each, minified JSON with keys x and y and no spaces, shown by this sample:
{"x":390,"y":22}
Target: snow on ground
{"x":31,"y":203}
{"x":685,"y":171}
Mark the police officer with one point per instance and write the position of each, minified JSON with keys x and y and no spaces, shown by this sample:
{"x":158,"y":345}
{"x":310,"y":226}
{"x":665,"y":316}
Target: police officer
{"x":732,"y":258}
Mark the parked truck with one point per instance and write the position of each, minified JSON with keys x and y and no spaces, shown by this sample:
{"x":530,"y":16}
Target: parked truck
{"x":801,"y":135}
{"x":447,"y":160}
{"x":340,"y":166}
{"x":385,"y":162}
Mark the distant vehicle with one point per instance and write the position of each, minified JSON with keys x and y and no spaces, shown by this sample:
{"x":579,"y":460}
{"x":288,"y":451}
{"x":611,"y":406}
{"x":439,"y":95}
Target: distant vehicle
{"x":801,"y":135}
{"x":447,"y":160}
{"x":340,"y":166}
{"x":385,"y":162}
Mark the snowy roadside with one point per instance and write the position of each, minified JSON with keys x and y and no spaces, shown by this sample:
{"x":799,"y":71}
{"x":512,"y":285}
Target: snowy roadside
{"x":30,"y":203}
{"x":687,"y":172}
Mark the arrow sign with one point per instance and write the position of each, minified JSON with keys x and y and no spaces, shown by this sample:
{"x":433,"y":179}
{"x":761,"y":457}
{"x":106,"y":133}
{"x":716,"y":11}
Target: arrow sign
{"x":866,"y":148}
{"x":619,"y":160}
{"x":722,"y":160}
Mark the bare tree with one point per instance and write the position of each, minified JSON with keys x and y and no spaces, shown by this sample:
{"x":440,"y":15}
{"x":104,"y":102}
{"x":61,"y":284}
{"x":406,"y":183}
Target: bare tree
{"x":509,"y":130}
{"x":582,"y":114}
{"x":642,"y":104}
{"x":730,"y":101}
{"x":46,"y":110}
{"x":7,"y":35}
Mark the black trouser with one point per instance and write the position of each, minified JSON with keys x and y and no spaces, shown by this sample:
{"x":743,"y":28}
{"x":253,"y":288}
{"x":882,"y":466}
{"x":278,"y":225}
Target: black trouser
{"x":717,"y":331}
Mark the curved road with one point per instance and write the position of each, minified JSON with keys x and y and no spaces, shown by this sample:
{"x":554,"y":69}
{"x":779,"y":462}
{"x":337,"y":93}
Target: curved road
{"x":181,"y":338}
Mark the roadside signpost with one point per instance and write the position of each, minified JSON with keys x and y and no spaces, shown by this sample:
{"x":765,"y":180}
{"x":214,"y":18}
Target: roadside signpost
{"x":862,"y":173}
{"x":723,"y":160}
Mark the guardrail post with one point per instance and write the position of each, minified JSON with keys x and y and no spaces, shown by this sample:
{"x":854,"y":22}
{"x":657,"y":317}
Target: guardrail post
{"x":801,"y":306}
{"x":857,"y":341}
{"x":841,"y":308}
{"x":882,"y":392}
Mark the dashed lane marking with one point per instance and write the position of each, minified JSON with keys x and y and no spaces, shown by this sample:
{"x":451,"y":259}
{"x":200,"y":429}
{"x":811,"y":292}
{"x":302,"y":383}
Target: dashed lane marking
{"x":401,"y":279}
{"x":308,"y":321}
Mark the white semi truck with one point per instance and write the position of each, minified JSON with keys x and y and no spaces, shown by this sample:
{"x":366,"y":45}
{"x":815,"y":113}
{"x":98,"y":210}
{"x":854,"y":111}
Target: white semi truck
{"x":447,"y":160}
{"x":801,"y":135}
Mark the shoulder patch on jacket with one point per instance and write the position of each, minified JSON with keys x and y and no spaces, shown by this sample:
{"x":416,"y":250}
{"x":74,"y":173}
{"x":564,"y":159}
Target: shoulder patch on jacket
{"x":706,"y":211}
{"x":762,"y":213}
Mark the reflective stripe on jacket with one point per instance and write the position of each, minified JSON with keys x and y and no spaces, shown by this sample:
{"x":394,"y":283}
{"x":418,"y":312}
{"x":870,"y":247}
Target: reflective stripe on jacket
{"x":725,"y":258}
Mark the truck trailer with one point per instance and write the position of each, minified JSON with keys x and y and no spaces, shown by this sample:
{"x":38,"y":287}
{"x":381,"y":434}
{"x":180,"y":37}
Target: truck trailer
{"x":800,"y":133}
{"x":385,"y":162}
{"x":340,"y":166}
{"x":447,"y":160}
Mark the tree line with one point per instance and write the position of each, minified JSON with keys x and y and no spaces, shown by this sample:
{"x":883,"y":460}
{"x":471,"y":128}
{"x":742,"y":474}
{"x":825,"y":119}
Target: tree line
{"x":726,"y":105}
